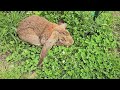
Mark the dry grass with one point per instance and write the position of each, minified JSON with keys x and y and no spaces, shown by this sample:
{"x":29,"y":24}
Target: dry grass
{"x":116,"y":27}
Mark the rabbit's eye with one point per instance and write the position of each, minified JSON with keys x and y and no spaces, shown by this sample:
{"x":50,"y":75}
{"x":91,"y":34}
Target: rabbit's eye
{"x":66,"y":33}
{"x":62,"y":39}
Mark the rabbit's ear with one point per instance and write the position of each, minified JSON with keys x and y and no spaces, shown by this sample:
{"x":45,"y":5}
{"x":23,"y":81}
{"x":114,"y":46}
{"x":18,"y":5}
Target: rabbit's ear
{"x":48,"y":45}
{"x":60,"y":22}
{"x":64,"y":25}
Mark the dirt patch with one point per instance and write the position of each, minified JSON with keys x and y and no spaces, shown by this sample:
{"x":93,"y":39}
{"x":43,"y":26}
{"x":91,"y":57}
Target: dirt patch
{"x":116,"y":27}
{"x":7,"y":69}
{"x":4,"y":65}
{"x":116,"y":13}
{"x":3,"y":56}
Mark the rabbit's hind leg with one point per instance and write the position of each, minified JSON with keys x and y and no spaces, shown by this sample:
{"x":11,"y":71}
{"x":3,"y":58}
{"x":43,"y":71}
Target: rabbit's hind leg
{"x":28,"y":35}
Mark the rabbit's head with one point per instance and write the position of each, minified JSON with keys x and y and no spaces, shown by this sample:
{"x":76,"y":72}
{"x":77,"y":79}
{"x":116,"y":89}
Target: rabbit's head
{"x":60,"y":36}
{"x":64,"y":37}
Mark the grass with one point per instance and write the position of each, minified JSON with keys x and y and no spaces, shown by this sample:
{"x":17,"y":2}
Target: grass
{"x":94,"y":55}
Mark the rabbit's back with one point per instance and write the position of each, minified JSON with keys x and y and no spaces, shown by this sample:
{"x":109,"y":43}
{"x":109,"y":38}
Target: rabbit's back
{"x":38,"y":24}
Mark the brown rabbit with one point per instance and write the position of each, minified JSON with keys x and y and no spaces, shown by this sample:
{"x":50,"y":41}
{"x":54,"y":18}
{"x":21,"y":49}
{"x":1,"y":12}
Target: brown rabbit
{"x":38,"y":31}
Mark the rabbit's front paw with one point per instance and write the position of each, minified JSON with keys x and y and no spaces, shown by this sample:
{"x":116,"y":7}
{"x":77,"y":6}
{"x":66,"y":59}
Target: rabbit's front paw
{"x":40,"y":65}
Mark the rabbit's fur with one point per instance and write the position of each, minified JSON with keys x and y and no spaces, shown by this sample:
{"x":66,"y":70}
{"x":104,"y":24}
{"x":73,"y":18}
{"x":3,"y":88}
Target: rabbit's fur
{"x":38,"y":31}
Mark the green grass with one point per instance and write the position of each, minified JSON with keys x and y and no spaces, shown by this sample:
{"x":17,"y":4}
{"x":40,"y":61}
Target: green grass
{"x":92,"y":56}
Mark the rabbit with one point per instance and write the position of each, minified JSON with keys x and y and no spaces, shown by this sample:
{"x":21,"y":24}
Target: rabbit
{"x":39,"y":31}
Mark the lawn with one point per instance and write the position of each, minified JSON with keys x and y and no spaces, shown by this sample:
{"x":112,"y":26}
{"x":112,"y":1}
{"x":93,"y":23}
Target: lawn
{"x":95,"y":53}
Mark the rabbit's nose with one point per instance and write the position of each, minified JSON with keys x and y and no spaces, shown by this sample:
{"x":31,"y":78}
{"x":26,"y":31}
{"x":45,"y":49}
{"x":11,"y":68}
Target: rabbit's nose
{"x":71,"y":41}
